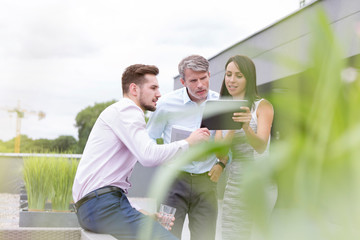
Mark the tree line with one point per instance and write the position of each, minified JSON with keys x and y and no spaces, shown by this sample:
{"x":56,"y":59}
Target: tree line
{"x":85,"y":120}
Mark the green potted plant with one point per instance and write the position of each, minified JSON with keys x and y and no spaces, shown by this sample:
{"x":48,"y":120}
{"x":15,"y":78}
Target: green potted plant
{"x":37,"y":182}
{"x":63,"y":173}
{"x":49,"y":179}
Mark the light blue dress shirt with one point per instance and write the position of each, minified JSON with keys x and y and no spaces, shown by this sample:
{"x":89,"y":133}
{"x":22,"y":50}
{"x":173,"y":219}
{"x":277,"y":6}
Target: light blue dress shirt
{"x":177,"y":109}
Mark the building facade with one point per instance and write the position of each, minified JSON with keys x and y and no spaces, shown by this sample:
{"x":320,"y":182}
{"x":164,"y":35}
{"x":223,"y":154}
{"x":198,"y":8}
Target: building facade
{"x":287,"y":41}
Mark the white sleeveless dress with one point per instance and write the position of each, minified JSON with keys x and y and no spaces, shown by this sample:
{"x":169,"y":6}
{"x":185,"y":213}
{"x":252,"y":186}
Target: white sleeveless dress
{"x":236,"y":221}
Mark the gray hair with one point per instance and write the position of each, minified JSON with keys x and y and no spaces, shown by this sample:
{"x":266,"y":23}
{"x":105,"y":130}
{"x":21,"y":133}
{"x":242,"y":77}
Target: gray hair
{"x":194,"y":62}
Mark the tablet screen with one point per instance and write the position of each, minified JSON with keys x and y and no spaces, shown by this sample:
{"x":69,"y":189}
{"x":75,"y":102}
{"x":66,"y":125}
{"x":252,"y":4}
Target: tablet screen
{"x":218,"y":114}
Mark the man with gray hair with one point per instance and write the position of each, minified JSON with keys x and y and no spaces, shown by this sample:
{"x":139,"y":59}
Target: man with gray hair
{"x":194,"y":192}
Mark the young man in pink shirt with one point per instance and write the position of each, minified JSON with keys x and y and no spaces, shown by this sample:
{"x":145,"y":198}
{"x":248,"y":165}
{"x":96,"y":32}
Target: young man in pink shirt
{"x":117,"y":141}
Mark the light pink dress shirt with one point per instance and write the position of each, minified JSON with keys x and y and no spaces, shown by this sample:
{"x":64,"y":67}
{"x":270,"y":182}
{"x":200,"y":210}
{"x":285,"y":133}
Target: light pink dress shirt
{"x":117,"y":141}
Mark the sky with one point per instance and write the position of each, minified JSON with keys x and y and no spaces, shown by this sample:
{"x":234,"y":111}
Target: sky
{"x":61,"y":56}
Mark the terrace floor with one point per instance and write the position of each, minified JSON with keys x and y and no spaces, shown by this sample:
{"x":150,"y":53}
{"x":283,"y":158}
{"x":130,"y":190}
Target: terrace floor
{"x":9,"y":210}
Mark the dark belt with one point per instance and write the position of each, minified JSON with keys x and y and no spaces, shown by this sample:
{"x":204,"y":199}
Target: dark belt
{"x":95,"y":193}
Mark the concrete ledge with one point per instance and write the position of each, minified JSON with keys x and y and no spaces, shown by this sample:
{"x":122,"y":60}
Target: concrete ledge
{"x":48,"y":219}
{"x":86,"y":235}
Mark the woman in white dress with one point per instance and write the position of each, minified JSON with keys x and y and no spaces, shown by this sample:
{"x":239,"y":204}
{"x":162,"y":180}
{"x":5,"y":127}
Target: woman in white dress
{"x":250,"y":141}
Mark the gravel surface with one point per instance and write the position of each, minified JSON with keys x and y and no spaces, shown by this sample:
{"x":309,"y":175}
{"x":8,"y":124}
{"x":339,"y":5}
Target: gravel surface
{"x":9,"y":210}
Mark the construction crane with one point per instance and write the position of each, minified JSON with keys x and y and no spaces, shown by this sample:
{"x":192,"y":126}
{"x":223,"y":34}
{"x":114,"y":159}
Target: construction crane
{"x":20,"y":113}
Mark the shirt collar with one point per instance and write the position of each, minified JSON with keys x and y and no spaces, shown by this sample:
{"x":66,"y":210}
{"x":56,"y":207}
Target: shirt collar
{"x":185,"y":96}
{"x":187,"y":99}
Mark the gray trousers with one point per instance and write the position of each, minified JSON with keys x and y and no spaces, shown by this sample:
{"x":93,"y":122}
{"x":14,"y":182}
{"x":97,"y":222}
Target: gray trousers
{"x":195,"y":195}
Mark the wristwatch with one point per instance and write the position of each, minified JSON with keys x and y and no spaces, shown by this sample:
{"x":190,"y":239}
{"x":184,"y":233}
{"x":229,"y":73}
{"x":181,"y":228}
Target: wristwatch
{"x":220,"y":163}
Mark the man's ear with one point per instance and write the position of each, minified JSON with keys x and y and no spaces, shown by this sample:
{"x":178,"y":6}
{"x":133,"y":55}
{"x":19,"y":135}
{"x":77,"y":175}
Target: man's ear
{"x":133,"y":89}
{"x":182,"y":81}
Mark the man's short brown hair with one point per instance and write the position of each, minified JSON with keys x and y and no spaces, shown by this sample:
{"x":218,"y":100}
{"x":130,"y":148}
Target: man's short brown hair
{"x":135,"y":74}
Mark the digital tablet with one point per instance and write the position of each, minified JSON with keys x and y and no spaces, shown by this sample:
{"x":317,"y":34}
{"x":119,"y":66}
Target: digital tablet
{"x":218,"y":114}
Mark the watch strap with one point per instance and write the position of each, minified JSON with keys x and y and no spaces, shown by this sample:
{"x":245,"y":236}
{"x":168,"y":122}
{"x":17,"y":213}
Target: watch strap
{"x":221,"y":164}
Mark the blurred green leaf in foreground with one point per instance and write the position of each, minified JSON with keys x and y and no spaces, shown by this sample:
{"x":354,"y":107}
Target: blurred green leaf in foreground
{"x":316,"y":165}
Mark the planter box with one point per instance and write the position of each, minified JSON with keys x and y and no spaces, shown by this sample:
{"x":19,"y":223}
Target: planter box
{"x":48,"y":219}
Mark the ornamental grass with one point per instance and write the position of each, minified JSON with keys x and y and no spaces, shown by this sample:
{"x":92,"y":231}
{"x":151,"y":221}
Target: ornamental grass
{"x":37,"y":181}
{"x":49,"y":178}
{"x":63,"y":173}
